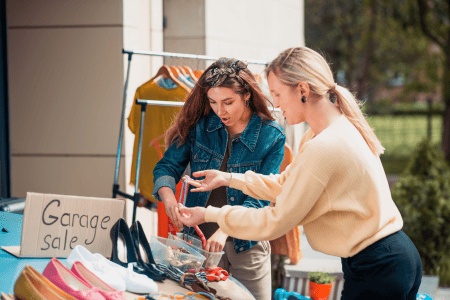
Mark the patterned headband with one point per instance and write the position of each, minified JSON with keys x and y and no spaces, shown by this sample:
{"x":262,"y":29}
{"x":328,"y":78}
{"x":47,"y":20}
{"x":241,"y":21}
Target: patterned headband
{"x":217,"y":75}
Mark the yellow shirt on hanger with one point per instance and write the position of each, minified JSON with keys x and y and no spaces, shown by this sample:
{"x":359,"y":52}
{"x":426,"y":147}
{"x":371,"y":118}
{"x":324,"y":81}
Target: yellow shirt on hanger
{"x":157,"y":120}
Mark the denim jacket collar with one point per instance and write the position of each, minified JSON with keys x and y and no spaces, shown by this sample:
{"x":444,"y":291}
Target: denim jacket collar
{"x":248,"y":137}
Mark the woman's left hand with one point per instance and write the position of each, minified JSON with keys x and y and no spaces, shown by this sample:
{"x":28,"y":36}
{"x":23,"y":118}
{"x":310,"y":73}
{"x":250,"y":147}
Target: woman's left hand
{"x":192,"y":216}
{"x":213,"y":179}
{"x":217,"y":241}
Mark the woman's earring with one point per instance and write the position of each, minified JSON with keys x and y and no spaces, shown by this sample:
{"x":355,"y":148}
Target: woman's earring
{"x":303,"y":99}
{"x":247,"y":103}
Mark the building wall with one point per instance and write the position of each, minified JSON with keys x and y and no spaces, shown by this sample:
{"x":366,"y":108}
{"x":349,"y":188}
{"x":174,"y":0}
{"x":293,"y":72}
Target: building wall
{"x":143,"y":31}
{"x":67,"y":73}
{"x":256,"y":29}
{"x":65,"y":83}
{"x":251,"y":29}
{"x":185,"y":30}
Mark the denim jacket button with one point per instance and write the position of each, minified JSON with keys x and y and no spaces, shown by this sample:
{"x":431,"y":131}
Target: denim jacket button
{"x":232,"y":198}
{"x":241,"y":249}
{"x":231,"y":169}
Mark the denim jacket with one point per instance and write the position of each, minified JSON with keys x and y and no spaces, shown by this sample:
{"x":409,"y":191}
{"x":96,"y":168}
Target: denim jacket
{"x":260,"y":148}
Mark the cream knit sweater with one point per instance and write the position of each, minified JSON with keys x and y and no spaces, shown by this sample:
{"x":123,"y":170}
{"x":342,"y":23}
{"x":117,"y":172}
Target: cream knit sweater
{"x":335,"y":187}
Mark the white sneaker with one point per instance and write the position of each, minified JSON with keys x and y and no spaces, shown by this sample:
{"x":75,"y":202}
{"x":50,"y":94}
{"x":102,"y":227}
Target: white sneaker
{"x":135,"y":283}
{"x":97,"y":266}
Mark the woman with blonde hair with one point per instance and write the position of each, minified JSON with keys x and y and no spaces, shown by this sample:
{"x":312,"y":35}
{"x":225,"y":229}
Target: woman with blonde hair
{"x":336,"y":186}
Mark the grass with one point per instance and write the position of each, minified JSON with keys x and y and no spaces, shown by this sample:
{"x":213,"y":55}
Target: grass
{"x":400,"y":134}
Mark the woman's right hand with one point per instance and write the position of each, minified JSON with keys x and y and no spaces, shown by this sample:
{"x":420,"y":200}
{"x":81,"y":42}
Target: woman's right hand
{"x":174,"y":214}
{"x":171,"y":204}
{"x":213,"y":179}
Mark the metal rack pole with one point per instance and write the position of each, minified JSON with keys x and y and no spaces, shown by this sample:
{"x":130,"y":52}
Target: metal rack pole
{"x":119,"y":147}
{"x":170,"y":103}
{"x":138,"y":161}
{"x":192,"y":56}
{"x":159,"y":103}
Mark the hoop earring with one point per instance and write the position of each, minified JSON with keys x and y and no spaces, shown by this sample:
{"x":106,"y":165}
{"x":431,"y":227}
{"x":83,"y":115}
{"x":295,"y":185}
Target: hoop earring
{"x":303,"y":99}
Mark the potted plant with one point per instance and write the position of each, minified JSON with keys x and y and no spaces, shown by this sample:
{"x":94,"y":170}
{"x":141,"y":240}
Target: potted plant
{"x":423,"y":197}
{"x":320,"y":285}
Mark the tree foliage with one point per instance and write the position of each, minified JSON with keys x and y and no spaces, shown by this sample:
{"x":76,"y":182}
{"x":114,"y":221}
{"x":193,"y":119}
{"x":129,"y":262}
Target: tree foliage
{"x":378,"y":45}
{"x":423,"y":197}
{"x":432,"y":19}
{"x":363,"y":39}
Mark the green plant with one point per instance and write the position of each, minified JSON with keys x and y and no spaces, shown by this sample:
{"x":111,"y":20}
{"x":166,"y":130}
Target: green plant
{"x":320,"y":277}
{"x":422,"y":195}
{"x":444,"y":272}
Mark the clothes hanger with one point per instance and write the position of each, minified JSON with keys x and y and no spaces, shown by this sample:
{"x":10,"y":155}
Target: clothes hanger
{"x":198,"y":73}
{"x":175,"y":71}
{"x":166,"y":72}
{"x":190,"y":73}
{"x":181,"y":77}
{"x":182,"y":71}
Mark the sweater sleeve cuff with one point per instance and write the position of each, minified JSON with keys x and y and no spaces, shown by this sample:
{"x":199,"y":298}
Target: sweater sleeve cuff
{"x":212,"y":214}
{"x":237,"y":181}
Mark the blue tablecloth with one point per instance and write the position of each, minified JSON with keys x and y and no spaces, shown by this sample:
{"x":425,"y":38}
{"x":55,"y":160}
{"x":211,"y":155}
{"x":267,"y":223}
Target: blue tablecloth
{"x":11,"y":266}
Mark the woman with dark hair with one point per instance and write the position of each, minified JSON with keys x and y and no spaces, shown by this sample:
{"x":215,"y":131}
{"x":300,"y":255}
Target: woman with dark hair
{"x":225,"y":124}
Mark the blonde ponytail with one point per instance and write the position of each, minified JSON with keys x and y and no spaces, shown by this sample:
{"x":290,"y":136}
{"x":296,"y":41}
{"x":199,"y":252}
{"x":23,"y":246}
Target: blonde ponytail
{"x":350,"y":107}
{"x":301,"y":64}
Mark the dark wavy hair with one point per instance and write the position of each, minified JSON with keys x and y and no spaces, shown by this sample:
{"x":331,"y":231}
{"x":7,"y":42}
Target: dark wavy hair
{"x":240,"y":80}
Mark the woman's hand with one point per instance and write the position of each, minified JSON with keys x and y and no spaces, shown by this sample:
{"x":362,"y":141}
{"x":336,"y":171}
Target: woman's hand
{"x":171,"y":205}
{"x":213,"y":179}
{"x":217,"y":241}
{"x":174,"y":214}
{"x":192,"y":216}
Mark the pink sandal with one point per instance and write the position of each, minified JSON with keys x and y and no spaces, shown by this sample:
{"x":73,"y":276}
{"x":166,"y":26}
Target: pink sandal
{"x":93,"y":281}
{"x":66,"y":280}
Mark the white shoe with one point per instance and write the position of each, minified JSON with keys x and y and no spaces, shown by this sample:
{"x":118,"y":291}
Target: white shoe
{"x":135,"y":283}
{"x":97,"y":266}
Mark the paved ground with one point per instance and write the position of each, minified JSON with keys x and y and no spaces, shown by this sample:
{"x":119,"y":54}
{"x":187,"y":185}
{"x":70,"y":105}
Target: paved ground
{"x":442,"y":294}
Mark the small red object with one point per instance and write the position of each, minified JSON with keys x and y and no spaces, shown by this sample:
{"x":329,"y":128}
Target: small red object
{"x":202,"y":236}
{"x":182,"y":201}
{"x":165,"y":224}
{"x":215,"y":274}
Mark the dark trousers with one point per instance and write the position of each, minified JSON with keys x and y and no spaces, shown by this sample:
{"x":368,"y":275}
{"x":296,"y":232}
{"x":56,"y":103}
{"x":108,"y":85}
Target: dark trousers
{"x":388,"y":269}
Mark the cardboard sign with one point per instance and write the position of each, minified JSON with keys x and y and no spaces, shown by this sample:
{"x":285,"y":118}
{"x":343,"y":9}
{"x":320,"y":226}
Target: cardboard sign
{"x":54,"y":224}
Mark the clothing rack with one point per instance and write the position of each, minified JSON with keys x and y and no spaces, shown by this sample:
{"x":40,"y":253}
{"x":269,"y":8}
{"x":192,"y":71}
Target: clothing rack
{"x":144,"y":104}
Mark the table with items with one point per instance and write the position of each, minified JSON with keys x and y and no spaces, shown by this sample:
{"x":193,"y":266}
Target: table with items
{"x":213,"y":281}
